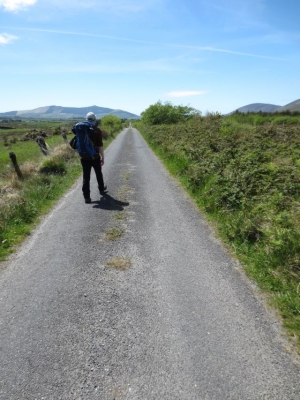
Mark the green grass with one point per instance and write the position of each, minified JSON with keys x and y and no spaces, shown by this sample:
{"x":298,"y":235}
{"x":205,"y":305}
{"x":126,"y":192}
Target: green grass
{"x":35,"y":198}
{"x":25,"y":151}
{"x":246,"y":179}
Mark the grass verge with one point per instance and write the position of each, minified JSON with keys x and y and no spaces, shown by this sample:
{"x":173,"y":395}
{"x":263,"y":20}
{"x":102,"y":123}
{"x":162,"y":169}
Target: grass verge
{"x":46,"y":179}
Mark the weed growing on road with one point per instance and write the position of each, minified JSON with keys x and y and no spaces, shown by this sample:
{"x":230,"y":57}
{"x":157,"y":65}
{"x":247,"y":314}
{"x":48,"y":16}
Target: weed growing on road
{"x":126,"y":176}
{"x":119,"y":216}
{"x":114,"y":233}
{"x":119,"y":263}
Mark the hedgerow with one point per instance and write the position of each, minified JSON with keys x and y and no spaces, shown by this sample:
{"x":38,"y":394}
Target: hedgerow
{"x":247,"y":179}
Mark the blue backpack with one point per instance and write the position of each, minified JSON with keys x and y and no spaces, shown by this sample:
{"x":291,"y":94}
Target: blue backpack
{"x":84,"y":145}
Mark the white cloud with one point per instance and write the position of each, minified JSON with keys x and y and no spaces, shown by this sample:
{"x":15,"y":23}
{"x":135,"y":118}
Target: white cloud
{"x":187,"y":93}
{"x":15,"y":5}
{"x":5,"y":38}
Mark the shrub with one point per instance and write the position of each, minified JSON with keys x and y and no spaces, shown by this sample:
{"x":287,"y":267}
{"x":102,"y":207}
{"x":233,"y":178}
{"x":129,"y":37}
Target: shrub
{"x":105,"y":134}
{"x":64,"y":151}
{"x":167,"y":113}
{"x":13,"y":140}
{"x":111,"y":123}
{"x":53,"y":165}
{"x":57,"y":131}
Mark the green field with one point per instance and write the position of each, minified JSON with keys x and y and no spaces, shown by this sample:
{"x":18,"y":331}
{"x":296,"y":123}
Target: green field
{"x":244,"y":173}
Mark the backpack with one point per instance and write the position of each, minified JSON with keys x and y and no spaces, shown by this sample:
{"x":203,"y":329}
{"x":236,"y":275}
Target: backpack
{"x":73,"y":143}
{"x":84,"y":145}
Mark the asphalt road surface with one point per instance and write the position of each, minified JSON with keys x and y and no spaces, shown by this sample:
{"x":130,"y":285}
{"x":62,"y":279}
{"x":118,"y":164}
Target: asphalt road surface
{"x":181,"y":322}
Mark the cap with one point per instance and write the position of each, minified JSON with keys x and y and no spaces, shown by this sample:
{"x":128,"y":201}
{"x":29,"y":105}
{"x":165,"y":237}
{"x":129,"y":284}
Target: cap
{"x":91,"y":116}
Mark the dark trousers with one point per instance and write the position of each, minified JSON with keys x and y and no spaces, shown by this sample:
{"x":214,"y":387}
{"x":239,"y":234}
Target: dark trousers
{"x":86,"y":167}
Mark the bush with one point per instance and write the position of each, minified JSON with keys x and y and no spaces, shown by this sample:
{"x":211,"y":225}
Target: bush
{"x":111,"y":123}
{"x":167,"y":113}
{"x":285,"y":120}
{"x":105,"y":134}
{"x":53,"y":165}
{"x":57,"y":131}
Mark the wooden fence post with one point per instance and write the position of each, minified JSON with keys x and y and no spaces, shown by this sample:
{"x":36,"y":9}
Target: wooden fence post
{"x":13,"y":158}
{"x":64,"y":136}
{"x":43,"y":146}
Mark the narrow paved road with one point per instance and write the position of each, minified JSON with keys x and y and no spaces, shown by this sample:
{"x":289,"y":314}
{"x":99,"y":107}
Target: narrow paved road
{"x":181,"y":323}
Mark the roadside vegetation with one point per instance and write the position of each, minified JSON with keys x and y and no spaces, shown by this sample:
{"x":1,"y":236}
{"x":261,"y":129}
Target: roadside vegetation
{"x":243,"y":171}
{"x":44,"y":178}
{"x":110,"y":124}
{"x":167,"y":113}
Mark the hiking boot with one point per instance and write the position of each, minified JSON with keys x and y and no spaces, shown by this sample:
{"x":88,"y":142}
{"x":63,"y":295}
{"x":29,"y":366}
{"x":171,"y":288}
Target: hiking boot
{"x":87,"y":200}
{"x":103,"y":191}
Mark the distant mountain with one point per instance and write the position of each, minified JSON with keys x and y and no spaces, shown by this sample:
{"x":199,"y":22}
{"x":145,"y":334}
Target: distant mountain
{"x":294,"y":106}
{"x":58,"y":112}
{"x":257,"y":107}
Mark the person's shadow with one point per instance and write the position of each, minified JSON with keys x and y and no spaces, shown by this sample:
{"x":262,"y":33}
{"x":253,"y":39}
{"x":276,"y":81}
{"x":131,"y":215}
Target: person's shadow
{"x":109,"y":203}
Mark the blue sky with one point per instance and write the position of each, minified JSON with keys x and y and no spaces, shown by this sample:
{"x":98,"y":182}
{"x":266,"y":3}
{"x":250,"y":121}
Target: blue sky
{"x":214,"y":55}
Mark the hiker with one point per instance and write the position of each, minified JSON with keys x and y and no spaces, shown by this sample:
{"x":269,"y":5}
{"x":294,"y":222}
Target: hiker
{"x":91,"y":153}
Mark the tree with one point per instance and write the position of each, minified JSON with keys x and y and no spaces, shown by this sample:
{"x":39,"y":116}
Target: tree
{"x":111,"y":123}
{"x":166,"y":113}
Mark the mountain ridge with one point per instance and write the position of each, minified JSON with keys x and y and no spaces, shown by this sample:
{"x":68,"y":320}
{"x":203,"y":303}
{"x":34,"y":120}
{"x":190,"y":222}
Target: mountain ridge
{"x":264,"y":107}
{"x":293,"y":106}
{"x":60,"y":112}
